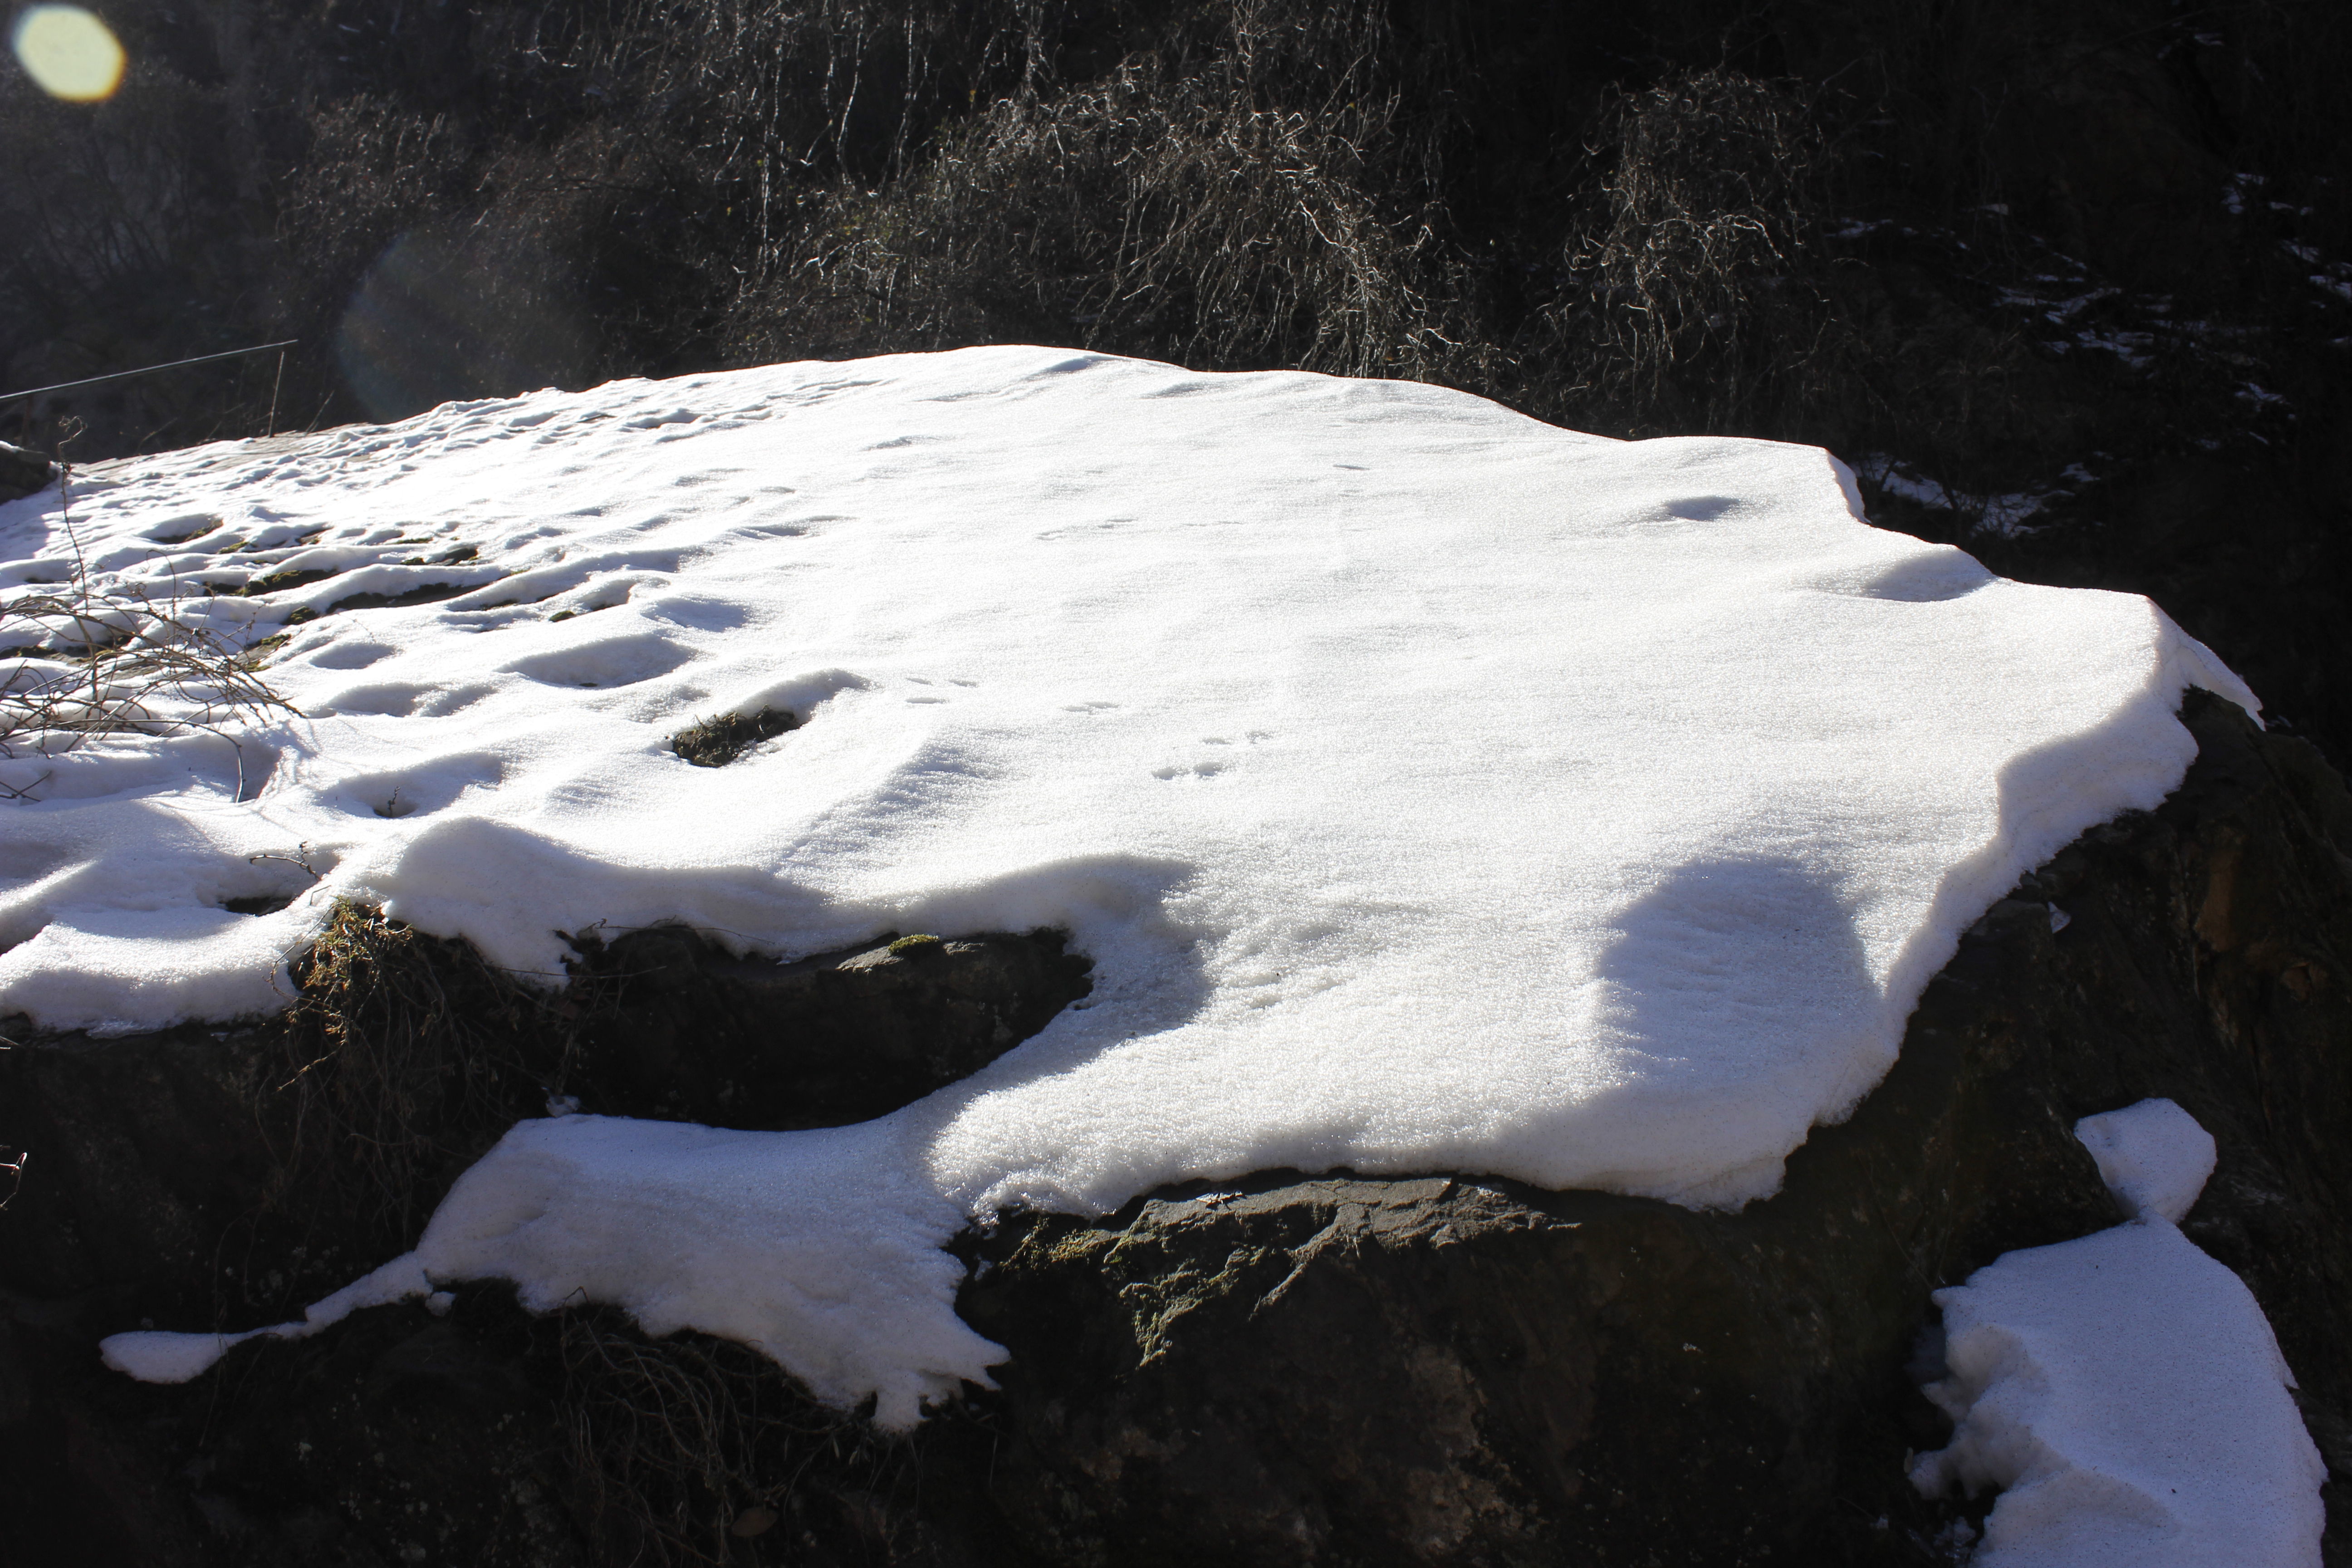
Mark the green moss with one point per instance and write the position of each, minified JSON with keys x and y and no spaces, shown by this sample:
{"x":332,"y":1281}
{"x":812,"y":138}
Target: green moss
{"x":258,"y":653}
{"x":919,"y":944}
{"x":279,"y":582}
{"x":1080,"y":1246}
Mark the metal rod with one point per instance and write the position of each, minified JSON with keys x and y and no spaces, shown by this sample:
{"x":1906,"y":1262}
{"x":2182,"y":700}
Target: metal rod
{"x":127,"y":374}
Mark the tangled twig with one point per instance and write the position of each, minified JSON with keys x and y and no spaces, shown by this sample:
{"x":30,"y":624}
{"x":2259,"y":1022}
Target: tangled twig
{"x":96,"y":659}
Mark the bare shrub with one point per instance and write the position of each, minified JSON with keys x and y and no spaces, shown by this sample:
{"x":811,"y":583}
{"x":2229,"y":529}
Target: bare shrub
{"x":1696,"y":292}
{"x":116,"y":662}
{"x":95,"y":660}
{"x":1262,"y":203}
{"x":374,"y":166}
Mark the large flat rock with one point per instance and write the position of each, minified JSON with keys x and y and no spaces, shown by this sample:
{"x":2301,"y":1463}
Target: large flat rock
{"x":1295,"y":1370}
{"x":1292,"y":1369}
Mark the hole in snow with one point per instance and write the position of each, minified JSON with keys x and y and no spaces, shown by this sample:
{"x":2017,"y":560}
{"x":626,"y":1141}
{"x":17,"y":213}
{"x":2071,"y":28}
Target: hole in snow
{"x":24,"y":859}
{"x":455,"y":699}
{"x":349,"y":655}
{"x":393,"y":699}
{"x":1930,"y":577}
{"x":428,"y":787}
{"x":180,"y":530}
{"x":255,"y":765}
{"x":258,"y":904}
{"x":616,"y":661}
{"x":698,"y":614}
{"x":1700,"y":509}
{"x":430,"y":593}
{"x":652,"y":421}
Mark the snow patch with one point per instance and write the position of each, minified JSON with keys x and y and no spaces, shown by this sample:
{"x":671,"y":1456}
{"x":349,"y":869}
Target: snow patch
{"x":154,"y":1355}
{"x":2153,"y":1156}
{"x":2124,"y":1391}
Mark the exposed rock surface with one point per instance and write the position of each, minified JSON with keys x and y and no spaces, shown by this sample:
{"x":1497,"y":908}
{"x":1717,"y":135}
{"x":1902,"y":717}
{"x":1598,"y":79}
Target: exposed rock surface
{"x":160,"y":1162}
{"x":1285,"y":1369}
{"x":22,"y":473}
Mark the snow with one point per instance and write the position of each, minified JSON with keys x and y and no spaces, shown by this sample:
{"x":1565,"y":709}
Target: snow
{"x":2153,"y":1156}
{"x":156,"y":1355}
{"x":2124,"y":1390}
{"x":1434,"y":789}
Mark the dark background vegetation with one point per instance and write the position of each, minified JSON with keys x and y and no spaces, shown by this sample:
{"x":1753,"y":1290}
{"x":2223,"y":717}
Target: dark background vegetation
{"x":2095,"y":254}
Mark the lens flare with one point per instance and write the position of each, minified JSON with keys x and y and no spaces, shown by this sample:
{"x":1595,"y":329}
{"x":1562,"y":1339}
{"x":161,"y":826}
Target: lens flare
{"x":448,"y":313}
{"x":68,"y":53}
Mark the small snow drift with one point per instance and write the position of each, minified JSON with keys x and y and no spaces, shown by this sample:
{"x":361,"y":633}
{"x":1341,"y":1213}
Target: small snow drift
{"x":1433,"y":789}
{"x":2124,"y":1390}
{"x":2153,"y":1156}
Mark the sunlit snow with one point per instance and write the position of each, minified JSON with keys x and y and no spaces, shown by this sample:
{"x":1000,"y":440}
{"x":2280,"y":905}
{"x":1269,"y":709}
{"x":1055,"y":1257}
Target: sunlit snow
{"x":1435,"y":789}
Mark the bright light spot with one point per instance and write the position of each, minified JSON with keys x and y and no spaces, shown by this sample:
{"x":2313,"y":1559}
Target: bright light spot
{"x":70,"y":52}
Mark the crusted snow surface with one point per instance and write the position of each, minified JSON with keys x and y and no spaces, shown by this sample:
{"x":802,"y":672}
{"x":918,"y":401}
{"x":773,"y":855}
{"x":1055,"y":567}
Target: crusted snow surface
{"x":1433,"y":788}
{"x":2124,"y":1390}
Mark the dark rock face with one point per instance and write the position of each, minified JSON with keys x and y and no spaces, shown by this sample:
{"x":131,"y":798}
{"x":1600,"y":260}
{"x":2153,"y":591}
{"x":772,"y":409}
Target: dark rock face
{"x":685,"y":1032}
{"x":158,"y":1192}
{"x":1299,"y":1370}
{"x":22,"y":473}
{"x":159,"y":1161}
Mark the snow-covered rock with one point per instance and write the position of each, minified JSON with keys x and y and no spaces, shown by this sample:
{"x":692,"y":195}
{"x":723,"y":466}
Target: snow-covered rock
{"x":1434,"y":788}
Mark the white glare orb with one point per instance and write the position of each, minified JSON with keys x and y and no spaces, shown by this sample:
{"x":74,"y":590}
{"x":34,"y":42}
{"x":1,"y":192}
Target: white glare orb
{"x":70,"y":53}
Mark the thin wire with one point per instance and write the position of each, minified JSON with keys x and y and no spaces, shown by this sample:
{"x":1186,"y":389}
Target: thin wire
{"x":127,"y":374}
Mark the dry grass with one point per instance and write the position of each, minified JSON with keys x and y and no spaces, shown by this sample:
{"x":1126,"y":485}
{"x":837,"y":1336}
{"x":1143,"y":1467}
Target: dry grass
{"x":715,"y":742}
{"x":403,"y":1057}
{"x":687,"y":1449}
{"x":15,"y":1169}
